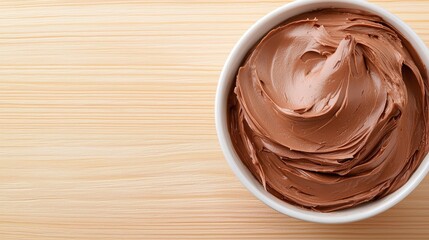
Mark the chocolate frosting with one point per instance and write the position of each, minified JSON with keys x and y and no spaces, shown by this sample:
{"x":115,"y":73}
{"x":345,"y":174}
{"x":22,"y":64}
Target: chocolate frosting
{"x":330,"y":110}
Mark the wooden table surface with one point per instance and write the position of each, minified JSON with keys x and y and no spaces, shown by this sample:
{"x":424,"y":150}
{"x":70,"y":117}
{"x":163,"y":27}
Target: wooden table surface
{"x":107,"y":125}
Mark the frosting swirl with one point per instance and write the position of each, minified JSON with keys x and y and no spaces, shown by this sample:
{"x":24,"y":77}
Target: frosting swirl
{"x":330,"y":110}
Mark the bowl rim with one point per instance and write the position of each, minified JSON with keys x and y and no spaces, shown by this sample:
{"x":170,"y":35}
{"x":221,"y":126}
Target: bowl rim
{"x":227,"y":77}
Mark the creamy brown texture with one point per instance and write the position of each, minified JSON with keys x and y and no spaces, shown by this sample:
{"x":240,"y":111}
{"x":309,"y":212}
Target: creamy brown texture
{"x":330,"y":110}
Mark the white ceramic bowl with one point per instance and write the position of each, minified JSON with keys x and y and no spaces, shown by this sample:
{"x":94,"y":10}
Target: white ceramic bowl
{"x":227,"y":78}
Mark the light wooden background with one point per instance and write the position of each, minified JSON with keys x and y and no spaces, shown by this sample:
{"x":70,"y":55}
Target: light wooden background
{"x":107,"y":125}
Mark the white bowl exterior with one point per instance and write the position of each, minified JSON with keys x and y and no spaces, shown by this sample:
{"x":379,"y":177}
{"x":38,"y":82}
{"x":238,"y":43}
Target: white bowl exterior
{"x":227,"y":78}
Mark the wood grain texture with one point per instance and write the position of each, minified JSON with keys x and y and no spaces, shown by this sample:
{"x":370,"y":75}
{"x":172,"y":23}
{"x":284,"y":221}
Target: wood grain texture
{"x":107,"y":125}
